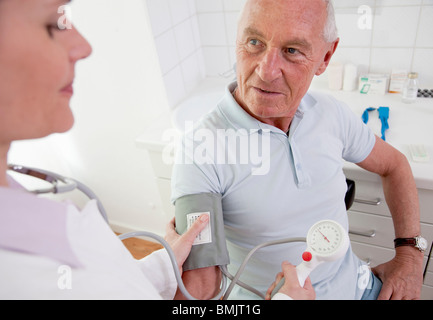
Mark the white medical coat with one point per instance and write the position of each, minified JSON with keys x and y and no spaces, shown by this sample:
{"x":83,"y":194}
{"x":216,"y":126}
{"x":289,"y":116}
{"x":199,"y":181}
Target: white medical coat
{"x":51,"y":250}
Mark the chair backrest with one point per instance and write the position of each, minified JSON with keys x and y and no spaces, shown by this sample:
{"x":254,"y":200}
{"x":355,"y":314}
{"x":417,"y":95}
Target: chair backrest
{"x":350,"y":193}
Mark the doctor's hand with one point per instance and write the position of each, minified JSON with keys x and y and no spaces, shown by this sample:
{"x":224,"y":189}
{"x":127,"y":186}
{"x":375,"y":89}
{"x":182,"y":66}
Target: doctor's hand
{"x":291,"y":286}
{"x":182,"y":244}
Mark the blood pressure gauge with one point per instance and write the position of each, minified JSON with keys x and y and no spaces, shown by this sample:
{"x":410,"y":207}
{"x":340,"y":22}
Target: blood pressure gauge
{"x":327,"y":241}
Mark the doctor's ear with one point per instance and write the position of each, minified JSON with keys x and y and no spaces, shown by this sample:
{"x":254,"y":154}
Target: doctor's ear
{"x":327,"y":58}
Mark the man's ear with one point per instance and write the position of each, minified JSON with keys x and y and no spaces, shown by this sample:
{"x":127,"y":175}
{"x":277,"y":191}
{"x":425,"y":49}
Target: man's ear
{"x":327,"y":58}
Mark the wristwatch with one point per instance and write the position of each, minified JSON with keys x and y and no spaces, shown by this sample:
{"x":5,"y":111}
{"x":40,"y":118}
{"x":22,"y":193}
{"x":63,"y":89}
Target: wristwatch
{"x":418,"y":242}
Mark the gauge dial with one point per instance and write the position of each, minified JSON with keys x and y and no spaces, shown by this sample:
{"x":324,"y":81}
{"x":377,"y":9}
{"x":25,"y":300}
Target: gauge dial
{"x":327,"y":239}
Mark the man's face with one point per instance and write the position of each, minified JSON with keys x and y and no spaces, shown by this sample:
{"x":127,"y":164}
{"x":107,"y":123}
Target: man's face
{"x":280,"y":47}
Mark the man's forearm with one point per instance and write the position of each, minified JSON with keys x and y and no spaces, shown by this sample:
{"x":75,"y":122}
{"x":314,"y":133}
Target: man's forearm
{"x":202,"y":284}
{"x":402,"y":199}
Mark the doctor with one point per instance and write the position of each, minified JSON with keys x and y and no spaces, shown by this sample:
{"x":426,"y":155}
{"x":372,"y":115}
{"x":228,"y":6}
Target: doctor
{"x":50,"y":250}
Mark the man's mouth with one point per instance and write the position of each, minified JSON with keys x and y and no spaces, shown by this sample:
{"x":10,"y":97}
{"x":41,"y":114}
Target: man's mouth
{"x":267,"y":91}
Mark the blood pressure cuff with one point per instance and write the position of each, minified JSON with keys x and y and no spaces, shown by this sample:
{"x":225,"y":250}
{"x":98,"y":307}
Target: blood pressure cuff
{"x":210,"y":247}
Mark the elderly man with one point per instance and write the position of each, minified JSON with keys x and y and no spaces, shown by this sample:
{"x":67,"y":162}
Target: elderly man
{"x":281,"y":46}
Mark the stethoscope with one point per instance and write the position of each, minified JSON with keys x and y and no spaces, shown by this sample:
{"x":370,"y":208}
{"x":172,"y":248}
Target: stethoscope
{"x":59,"y":184}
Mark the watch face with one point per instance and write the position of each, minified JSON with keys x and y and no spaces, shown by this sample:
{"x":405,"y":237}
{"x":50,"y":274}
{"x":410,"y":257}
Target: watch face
{"x":422,"y":243}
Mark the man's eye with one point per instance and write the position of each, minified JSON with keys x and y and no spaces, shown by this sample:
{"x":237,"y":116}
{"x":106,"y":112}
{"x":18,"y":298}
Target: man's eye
{"x":292,"y":50}
{"x":254,"y":42}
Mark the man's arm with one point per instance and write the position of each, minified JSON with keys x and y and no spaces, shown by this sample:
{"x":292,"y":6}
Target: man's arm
{"x":202,"y":284}
{"x":402,"y":276}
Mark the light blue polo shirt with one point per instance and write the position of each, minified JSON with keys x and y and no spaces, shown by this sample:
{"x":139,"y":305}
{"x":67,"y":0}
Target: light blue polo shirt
{"x":289,"y":182}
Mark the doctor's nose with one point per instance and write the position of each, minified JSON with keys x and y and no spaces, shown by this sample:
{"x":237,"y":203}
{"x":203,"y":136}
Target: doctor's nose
{"x":270,"y":66}
{"x":79,"y":47}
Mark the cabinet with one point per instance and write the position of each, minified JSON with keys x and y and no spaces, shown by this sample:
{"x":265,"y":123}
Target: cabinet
{"x":371,"y":228}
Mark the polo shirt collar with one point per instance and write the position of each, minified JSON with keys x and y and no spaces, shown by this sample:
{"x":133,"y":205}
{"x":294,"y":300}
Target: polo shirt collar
{"x":240,"y":119}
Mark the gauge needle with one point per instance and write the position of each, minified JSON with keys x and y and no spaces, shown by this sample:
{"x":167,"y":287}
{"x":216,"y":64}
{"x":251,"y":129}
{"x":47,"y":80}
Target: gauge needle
{"x":324,"y":236}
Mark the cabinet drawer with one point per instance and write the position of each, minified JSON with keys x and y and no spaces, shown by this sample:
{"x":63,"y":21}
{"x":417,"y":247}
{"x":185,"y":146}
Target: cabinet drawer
{"x":428,"y":280}
{"x":372,"y":255}
{"x":426,"y":205}
{"x":430,"y":266}
{"x":378,"y":230}
{"x":369,"y":198}
{"x":427,"y":293}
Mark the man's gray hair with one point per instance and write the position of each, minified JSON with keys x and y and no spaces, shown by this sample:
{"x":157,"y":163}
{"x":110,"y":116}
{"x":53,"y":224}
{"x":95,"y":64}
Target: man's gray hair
{"x":330,"y":32}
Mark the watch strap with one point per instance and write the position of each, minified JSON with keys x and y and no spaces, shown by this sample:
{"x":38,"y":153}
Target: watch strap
{"x":405,"y":242}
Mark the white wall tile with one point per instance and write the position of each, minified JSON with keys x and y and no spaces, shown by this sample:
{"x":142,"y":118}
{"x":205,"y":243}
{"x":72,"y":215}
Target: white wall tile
{"x":184,"y":39}
{"x":348,"y":28}
{"x":231,"y":20}
{"x":159,"y":19}
{"x":233,"y":5}
{"x":352,"y":3}
{"x":167,"y":51}
{"x":193,"y":70}
{"x":175,"y":86}
{"x":425,"y":31}
{"x":179,"y":10}
{"x":196,"y":31}
{"x":212,"y":29}
{"x":422,"y":63}
{"x":209,"y":6}
{"x":216,"y":60}
{"x":192,"y":7}
{"x":395,"y":26}
{"x":357,"y":56}
{"x":398,"y":2}
{"x":383,"y":60}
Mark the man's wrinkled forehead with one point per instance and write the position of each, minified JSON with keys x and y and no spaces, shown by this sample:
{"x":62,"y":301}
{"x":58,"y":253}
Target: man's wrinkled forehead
{"x":284,"y":14}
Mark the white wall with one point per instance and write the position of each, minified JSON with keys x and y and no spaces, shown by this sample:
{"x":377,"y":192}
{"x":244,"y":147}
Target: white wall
{"x":177,"y":38}
{"x":401,"y":36}
{"x":118,"y":92}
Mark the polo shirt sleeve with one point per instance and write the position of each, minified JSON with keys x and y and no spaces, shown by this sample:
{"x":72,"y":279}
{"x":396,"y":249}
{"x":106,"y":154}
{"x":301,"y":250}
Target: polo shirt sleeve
{"x":195,"y":188}
{"x":194,"y":170}
{"x":358,"y":139}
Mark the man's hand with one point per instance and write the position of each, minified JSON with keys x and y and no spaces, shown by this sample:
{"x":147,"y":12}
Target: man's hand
{"x":402,"y":276}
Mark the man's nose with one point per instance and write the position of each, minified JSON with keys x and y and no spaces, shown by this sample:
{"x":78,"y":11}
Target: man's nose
{"x":270,"y":65}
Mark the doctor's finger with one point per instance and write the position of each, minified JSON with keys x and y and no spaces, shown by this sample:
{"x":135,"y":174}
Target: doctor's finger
{"x":170,"y":231}
{"x":195,"y":229}
{"x":290,"y":273}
